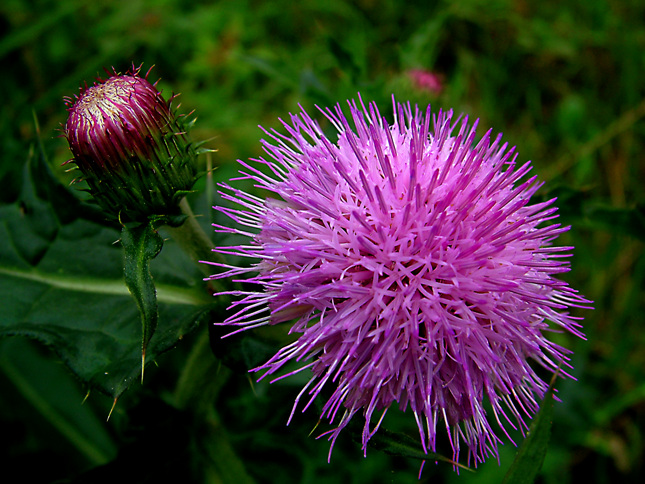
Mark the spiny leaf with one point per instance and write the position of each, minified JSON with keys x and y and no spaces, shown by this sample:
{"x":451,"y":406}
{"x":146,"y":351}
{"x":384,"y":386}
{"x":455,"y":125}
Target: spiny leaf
{"x":141,"y":244}
{"x":61,"y":283}
{"x":395,"y":443}
{"x":530,"y":456}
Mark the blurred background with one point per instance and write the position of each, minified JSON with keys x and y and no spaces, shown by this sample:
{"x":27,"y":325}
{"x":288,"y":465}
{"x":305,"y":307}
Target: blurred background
{"x":563,"y":80}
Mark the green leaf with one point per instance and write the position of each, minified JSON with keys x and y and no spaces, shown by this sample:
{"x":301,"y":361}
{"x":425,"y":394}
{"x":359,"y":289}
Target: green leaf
{"x":530,"y":456}
{"x":576,"y":204}
{"x":395,"y":443}
{"x":53,"y":392}
{"x":141,"y":244}
{"x":344,"y":57}
{"x":61,"y":282}
{"x":64,"y":203}
{"x":628,"y":221}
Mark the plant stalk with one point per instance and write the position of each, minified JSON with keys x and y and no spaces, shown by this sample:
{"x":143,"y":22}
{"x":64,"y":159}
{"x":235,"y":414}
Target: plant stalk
{"x":193,"y":240}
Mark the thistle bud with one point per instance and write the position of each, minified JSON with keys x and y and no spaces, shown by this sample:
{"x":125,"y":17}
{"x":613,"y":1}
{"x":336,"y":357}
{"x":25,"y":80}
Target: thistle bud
{"x":131,"y":148}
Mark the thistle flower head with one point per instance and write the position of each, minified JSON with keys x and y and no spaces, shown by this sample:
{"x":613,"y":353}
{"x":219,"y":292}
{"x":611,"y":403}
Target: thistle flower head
{"x":425,"y":80}
{"x":413,"y":268}
{"x":130,"y":146}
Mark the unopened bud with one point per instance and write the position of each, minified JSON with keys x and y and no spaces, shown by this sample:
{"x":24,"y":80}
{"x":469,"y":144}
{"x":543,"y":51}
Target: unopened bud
{"x":132,"y":149}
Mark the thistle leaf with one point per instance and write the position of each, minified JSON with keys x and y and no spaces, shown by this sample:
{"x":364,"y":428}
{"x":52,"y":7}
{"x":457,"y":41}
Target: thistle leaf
{"x":61,"y":283}
{"x":395,"y":443}
{"x":141,"y":244}
{"x":530,"y":456}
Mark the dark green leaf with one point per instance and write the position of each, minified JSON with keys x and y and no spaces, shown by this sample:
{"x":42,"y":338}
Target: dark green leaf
{"x":576,"y":204}
{"x":53,"y":392}
{"x":243,"y":351}
{"x":141,"y":244}
{"x":627,"y":221}
{"x":61,"y":282}
{"x":395,"y":443}
{"x":530,"y":456}
{"x":344,"y":57}
{"x":63,"y":202}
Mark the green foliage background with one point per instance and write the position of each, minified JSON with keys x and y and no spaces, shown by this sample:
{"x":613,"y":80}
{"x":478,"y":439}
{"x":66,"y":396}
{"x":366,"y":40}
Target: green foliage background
{"x":562,"y":79}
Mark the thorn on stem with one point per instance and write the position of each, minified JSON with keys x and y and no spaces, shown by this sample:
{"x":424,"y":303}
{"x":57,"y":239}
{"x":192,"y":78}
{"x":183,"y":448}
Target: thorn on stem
{"x":143,"y":363}
{"x":112,"y":409}
{"x":314,"y":429}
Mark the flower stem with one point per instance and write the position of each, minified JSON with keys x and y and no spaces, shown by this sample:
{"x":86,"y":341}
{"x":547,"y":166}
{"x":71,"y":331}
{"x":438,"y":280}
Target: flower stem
{"x":197,"y":390}
{"x":193,"y":240}
{"x":201,"y":378}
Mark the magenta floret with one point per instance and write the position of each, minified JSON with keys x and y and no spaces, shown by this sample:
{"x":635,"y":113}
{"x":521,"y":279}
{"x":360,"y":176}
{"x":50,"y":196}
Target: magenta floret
{"x":412,"y":265}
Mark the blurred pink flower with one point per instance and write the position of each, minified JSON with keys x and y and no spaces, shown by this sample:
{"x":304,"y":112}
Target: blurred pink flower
{"x":426,"y":80}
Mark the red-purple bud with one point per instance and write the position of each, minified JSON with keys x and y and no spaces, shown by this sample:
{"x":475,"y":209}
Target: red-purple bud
{"x":426,"y":81}
{"x":130,"y":146}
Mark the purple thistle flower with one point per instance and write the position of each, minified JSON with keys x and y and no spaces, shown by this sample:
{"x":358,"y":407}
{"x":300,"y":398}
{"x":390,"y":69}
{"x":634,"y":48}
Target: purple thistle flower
{"x":131,"y":148}
{"x":414,"y":268}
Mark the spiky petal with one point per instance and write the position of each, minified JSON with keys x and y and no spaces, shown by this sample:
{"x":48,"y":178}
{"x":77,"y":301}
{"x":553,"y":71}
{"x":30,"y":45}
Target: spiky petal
{"x":413,"y":267}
